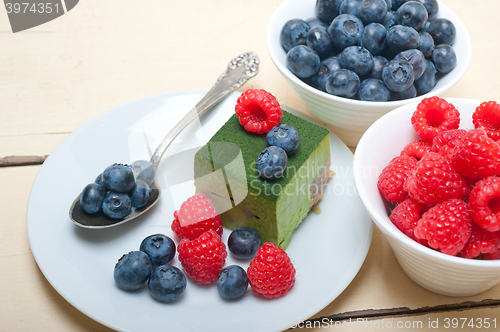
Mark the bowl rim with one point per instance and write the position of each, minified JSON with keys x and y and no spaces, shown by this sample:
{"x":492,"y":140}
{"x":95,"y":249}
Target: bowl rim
{"x":382,"y":220}
{"x":271,"y":47}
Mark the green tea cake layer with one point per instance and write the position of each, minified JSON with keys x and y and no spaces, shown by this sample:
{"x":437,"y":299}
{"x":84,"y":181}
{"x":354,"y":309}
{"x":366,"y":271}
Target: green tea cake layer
{"x":225,"y":172}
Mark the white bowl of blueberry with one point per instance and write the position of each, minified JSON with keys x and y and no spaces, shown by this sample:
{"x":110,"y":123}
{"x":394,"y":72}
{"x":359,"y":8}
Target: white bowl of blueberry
{"x":351,"y":61}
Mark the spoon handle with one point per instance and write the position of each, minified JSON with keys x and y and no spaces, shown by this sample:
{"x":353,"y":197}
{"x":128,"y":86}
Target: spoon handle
{"x":239,"y":70}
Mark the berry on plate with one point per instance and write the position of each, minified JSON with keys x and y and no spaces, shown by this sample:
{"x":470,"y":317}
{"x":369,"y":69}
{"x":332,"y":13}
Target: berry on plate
{"x":159,"y":248}
{"x":271,"y":273}
{"x":258,"y":110}
{"x":204,"y":257}
{"x":405,"y":217}
{"x":167,"y":283}
{"x":484,"y":203}
{"x":446,"y":227}
{"x":232,"y":282}
{"x":196,"y":215}
{"x":434,"y":181}
{"x":391,"y":180}
{"x":132,"y":270}
{"x":487,"y":116}
{"x":434,"y":115}
{"x":476,"y":155}
{"x":243,"y":243}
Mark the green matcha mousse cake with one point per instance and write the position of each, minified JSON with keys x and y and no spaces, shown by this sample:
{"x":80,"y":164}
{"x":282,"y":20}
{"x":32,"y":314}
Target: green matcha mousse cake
{"x":225,"y":172}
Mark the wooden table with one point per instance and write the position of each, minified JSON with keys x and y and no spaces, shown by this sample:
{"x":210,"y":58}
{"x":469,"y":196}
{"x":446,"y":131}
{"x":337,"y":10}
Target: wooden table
{"x":56,"y":77}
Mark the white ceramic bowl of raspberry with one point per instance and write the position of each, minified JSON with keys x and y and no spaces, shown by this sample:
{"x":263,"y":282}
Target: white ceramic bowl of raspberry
{"x":431,"y":269}
{"x":349,"y":118}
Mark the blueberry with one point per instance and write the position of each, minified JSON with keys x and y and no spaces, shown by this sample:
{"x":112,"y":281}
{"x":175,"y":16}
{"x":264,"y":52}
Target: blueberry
{"x":302,"y":61}
{"x":92,"y":197}
{"x":143,"y":170}
{"x":379,"y":63}
{"x":432,"y":8}
{"x":389,"y":20}
{"x":428,"y":80}
{"x":294,"y":33}
{"x":319,"y":40}
{"x":243,"y":243}
{"x":345,"y":31}
{"x":343,"y":83}
{"x":159,"y":248}
{"x":401,"y":38}
{"x":415,"y":58}
{"x":444,"y":58}
{"x":371,"y":11}
{"x":315,"y":22}
{"x":409,"y":93}
{"x":132,"y":270}
{"x":167,"y":283}
{"x":412,"y":14}
{"x":372,"y":89}
{"x":271,"y":162}
{"x":119,"y":178}
{"x":327,"y":10}
{"x":116,"y":205}
{"x":349,"y":7}
{"x":358,"y":59}
{"x":426,"y":45}
{"x":426,"y":26}
{"x":232,"y":282}
{"x":373,"y":38}
{"x":398,"y":75}
{"x":98,"y":180}
{"x":389,"y":4}
{"x":326,"y":68}
{"x":397,"y":3}
{"x":139,"y":196}
{"x":443,"y":31}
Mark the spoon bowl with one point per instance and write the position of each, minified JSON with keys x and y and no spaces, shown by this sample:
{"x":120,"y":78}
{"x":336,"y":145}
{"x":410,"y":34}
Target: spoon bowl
{"x":238,"y":72}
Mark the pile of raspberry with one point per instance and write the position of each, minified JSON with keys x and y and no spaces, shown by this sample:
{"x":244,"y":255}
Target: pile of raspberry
{"x":444,"y":189}
{"x":203,"y":254}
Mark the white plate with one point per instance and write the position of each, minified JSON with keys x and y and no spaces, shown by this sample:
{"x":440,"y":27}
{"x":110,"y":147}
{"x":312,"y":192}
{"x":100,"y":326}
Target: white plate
{"x":327,"y":249}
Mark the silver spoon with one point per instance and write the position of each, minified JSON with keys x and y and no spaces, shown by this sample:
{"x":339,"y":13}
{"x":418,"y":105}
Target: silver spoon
{"x":239,"y":71}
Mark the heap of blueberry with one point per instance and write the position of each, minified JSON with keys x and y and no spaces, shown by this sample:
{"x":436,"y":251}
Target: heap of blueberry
{"x":283,"y":140}
{"x":371,"y":50}
{"x":166,"y":282}
{"x":118,"y":189}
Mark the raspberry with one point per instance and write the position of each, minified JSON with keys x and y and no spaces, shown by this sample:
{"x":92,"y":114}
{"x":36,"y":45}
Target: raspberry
{"x":435,"y":181}
{"x":204,"y":257}
{"x":197,"y":215}
{"x":417,"y":149}
{"x":476,"y":156}
{"x":444,"y":142}
{"x":271,"y":273}
{"x":258,"y":110}
{"x":446,"y":227}
{"x":481,"y":242}
{"x":434,"y":115}
{"x":405,"y":217}
{"x":487,"y":116}
{"x":484,"y":203}
{"x":391,"y":180}
{"x":492,"y":256}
